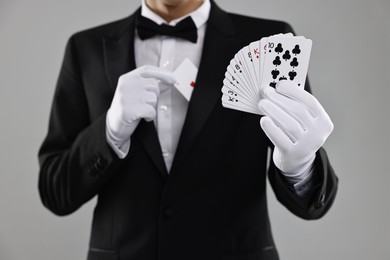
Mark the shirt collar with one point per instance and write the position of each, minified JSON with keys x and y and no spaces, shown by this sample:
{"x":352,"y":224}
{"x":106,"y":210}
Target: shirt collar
{"x":199,"y":16}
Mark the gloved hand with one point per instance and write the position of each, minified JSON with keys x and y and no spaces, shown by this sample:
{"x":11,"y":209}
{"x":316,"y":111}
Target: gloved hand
{"x":297,"y":125}
{"x":135,"y":98}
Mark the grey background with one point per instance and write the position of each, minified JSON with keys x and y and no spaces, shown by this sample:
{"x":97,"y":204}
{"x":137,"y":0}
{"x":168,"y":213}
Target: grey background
{"x":349,"y":72}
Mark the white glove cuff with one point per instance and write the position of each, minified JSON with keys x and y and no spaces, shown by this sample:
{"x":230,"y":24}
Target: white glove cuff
{"x":120,"y":147}
{"x":293,"y":169}
{"x":301,"y":175}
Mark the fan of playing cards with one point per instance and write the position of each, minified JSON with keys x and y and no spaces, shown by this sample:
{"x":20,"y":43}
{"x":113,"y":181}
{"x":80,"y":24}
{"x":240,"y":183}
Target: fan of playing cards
{"x":264,"y":63}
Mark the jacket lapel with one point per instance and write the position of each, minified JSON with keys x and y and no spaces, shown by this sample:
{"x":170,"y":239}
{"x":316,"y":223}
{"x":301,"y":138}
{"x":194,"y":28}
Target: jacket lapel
{"x":219,"y":46}
{"x":119,"y":59}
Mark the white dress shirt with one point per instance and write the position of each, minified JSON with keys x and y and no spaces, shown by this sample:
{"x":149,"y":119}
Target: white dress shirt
{"x":168,"y":53}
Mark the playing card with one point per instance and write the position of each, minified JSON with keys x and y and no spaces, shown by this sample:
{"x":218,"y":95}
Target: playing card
{"x":287,"y":58}
{"x":185,"y":75}
{"x":248,"y":65}
{"x":264,"y":49}
{"x":236,"y":72}
{"x":242,"y":73}
{"x":237,"y":88}
{"x":264,"y":63}
{"x":233,"y":103}
{"x":231,"y":93}
{"x":254,"y":48}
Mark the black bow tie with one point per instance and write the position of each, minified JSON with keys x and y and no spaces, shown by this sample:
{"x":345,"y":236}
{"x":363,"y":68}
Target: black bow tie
{"x":185,"y":29}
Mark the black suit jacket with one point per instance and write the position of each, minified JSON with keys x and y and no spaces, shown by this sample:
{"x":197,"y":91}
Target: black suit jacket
{"x":212,"y":205}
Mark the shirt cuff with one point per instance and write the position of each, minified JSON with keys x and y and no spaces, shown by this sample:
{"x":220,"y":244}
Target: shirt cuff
{"x":303,"y":183}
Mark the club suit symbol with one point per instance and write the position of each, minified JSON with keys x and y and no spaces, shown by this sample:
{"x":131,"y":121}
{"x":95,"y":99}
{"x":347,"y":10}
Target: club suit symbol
{"x":294,"y":63}
{"x":292,"y":75}
{"x":296,"y":50}
{"x":275,"y":73}
{"x":286,"y":55}
{"x":277,"y":61}
{"x":279,"y":48}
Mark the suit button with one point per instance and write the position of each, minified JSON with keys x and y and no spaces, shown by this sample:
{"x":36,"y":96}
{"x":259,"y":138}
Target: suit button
{"x":322,"y":198}
{"x":168,"y":213}
{"x":96,"y":166}
{"x":319,"y":205}
{"x":100,"y":163}
{"x":321,"y":202}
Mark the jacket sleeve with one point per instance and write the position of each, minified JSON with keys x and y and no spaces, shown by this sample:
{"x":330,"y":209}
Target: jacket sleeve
{"x":319,"y":199}
{"x":75,"y":159}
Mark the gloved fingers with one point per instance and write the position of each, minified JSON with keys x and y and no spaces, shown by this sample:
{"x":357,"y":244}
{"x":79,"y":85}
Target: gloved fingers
{"x":150,"y":97}
{"x":294,"y":108}
{"x":288,"y":124}
{"x":164,"y":86}
{"x":275,"y":134}
{"x":290,"y":89}
{"x":159,"y":74}
{"x":132,"y":82}
{"x":152,"y":88}
{"x":149,"y":113}
{"x":312,"y":103}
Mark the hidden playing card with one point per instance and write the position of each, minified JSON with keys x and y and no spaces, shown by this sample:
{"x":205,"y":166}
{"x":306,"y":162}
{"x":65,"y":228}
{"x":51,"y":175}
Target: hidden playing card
{"x":185,"y":76}
{"x":264,"y":63}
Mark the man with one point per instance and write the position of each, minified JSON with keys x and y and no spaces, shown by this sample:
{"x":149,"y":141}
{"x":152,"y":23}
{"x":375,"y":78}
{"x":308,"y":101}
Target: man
{"x":178,"y":179}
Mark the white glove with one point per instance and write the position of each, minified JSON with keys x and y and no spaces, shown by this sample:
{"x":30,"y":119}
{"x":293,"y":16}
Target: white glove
{"x":135,"y":98}
{"x":297,"y":125}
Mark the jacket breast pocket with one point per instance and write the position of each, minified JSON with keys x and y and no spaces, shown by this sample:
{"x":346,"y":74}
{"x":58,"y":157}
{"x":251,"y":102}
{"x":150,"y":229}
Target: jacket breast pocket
{"x":266,"y":253}
{"x":102,"y":254}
